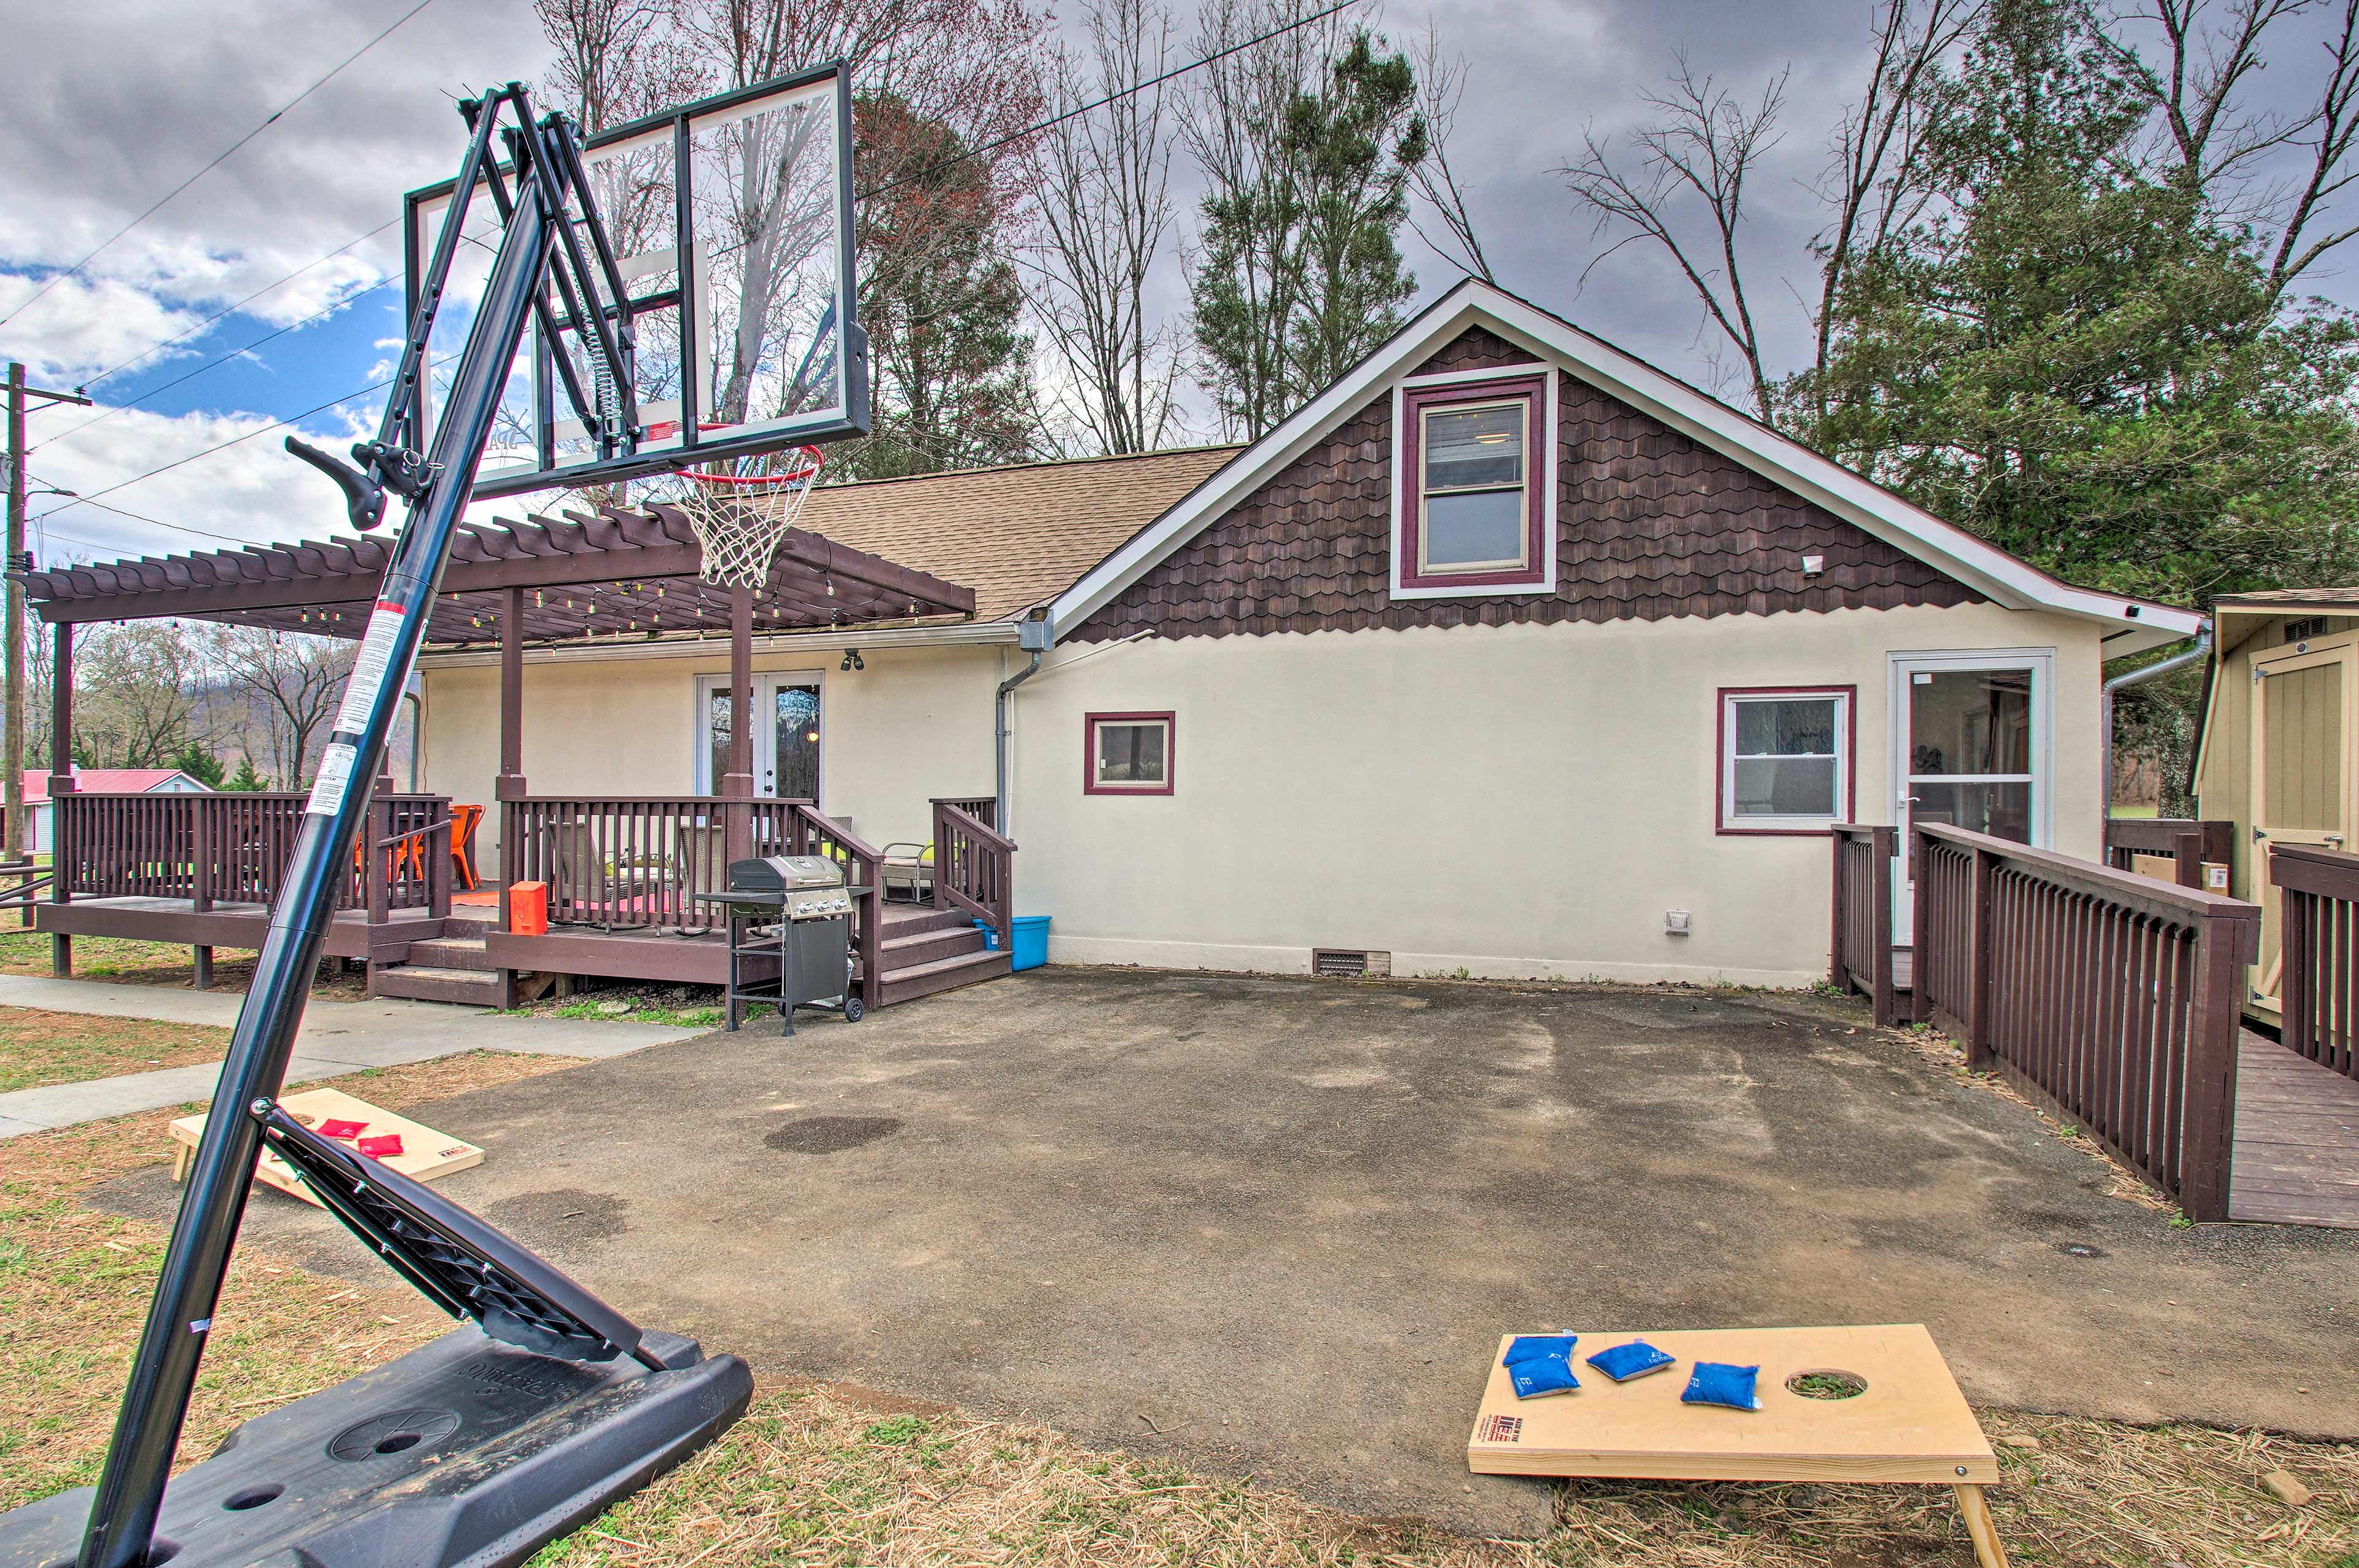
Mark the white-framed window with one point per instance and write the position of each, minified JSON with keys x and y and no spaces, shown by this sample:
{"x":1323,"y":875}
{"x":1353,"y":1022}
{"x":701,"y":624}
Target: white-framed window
{"x":1127,"y":753}
{"x":1474,"y":470}
{"x":1785,"y":758}
{"x":1472,"y":511}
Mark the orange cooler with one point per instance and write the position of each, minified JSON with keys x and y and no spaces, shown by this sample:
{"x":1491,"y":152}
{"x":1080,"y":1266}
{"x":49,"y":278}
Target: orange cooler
{"x":528,"y":909}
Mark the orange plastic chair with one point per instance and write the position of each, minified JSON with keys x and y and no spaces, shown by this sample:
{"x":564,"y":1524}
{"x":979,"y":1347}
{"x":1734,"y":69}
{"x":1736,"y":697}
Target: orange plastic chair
{"x":463,"y":820}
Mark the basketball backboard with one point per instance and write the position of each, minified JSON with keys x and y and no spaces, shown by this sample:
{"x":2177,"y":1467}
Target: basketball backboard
{"x":731,"y":219}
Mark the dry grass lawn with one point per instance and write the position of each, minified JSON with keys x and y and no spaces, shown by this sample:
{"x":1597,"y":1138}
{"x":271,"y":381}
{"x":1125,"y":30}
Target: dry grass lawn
{"x":121,"y":961}
{"x":842,"y":1475}
{"x":38,"y":1047}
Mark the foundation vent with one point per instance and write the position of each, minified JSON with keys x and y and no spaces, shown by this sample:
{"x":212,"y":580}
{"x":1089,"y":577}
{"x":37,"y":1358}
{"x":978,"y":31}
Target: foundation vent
{"x":1350,"y":962}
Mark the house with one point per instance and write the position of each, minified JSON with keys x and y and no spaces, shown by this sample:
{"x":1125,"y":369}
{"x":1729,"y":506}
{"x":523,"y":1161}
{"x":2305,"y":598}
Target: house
{"x":1509,"y":654}
{"x":2274,"y":756}
{"x":1498,"y":656}
{"x":40,"y":834}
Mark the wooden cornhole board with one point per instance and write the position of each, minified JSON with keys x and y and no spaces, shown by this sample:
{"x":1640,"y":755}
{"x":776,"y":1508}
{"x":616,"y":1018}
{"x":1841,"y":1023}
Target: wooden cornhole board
{"x":1911,"y":1424}
{"x":425,"y":1153}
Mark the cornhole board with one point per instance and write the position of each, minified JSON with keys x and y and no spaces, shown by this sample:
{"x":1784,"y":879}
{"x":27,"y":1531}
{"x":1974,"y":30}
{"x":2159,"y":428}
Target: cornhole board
{"x":425,"y":1153}
{"x":1911,"y":1424}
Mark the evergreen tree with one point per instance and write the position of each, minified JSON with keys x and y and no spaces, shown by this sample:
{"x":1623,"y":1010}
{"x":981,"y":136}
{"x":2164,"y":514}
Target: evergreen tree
{"x":1356,"y":143}
{"x":1298,"y":276}
{"x":197,"y":760}
{"x":2079,"y":360}
{"x":941,"y":304}
{"x":245,"y":780}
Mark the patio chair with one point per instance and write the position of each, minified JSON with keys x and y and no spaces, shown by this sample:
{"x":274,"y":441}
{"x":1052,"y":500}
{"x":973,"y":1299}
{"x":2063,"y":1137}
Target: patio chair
{"x":908,"y":865}
{"x":580,"y":877}
{"x":464,"y":819}
{"x":701,"y":865}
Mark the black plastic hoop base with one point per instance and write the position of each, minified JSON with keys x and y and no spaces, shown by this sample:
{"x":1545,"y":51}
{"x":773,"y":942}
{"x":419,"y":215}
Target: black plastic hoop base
{"x":466,"y":1453}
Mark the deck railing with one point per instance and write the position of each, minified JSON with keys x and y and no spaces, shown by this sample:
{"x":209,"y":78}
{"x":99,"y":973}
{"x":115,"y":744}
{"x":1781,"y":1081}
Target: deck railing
{"x":2318,"y":988}
{"x":2188,"y":843}
{"x":233,"y":847}
{"x":1859,"y":954}
{"x":626,"y":862}
{"x":629,"y":863}
{"x":975,"y":867}
{"x":2113,"y":997}
{"x":983,"y":808}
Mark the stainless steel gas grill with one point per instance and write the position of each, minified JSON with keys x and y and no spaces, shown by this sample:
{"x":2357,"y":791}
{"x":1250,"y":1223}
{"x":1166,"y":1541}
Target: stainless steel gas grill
{"x":790,"y":936}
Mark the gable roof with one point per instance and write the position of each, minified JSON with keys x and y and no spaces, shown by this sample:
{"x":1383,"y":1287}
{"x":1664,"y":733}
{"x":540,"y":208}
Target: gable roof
{"x":1016,"y":535}
{"x":2131,"y":624}
{"x":102,"y":781}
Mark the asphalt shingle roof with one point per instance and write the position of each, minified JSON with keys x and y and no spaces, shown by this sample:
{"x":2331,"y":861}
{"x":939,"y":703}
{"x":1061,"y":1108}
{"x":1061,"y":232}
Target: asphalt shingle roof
{"x":1016,"y":535}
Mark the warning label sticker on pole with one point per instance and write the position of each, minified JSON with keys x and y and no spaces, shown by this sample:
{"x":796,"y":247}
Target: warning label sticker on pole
{"x":336,"y":777}
{"x":369,"y":669}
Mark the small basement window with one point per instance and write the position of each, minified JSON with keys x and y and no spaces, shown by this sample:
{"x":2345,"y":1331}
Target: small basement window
{"x":1128,"y":753}
{"x":1786,"y":759}
{"x":1471,"y":516}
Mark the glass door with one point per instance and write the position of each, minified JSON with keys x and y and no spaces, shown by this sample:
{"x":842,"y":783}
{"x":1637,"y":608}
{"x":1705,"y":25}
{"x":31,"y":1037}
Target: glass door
{"x":2302,"y":735}
{"x":786,"y":734}
{"x":1970,"y":736}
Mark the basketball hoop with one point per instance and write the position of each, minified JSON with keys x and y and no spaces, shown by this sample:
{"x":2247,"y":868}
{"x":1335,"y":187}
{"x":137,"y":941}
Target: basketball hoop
{"x":741,"y":517}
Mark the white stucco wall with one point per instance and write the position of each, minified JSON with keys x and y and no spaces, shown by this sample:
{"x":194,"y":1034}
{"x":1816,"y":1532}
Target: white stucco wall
{"x":1514,"y":802}
{"x":916,"y":723}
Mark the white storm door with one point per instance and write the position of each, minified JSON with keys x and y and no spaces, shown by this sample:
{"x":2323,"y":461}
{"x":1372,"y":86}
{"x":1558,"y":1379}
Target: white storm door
{"x":786,"y":733}
{"x":1971,"y":743}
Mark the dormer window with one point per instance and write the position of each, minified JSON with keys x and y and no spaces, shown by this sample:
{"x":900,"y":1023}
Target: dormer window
{"x":1471,"y":517}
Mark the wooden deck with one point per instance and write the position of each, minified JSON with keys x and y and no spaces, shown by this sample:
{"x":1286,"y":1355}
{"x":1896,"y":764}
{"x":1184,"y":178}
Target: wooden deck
{"x":225,"y":925}
{"x":2297,"y":1159}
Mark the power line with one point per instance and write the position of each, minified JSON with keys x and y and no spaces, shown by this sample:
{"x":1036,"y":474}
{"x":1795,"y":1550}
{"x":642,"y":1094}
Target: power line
{"x":233,"y":440}
{"x":143,"y":517}
{"x":217,"y":162}
{"x":994,"y":146}
{"x":232,"y":309}
{"x":1136,"y":87}
{"x":112,"y":409}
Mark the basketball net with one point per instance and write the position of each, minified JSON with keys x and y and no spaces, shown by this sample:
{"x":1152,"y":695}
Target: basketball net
{"x":741,"y":517}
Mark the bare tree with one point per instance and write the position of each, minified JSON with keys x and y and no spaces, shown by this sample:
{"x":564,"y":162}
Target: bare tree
{"x":1441,"y":84}
{"x":2223,"y":149}
{"x":1874,"y":183}
{"x":1104,"y":200}
{"x":1704,"y":144}
{"x":293,"y":683}
{"x":137,"y":685}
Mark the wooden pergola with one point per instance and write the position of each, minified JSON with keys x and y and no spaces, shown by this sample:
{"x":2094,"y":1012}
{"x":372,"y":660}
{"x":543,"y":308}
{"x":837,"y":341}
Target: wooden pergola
{"x":610,"y":575}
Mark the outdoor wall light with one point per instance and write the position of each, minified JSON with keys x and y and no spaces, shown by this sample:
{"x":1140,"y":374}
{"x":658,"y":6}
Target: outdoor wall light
{"x":853,"y":661}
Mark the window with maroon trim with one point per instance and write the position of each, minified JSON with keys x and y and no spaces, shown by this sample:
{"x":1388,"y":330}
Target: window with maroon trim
{"x":1126,"y":753}
{"x":1786,"y":759}
{"x":1472,"y":514}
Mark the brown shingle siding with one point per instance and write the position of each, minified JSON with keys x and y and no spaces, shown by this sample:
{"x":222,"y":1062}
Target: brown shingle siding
{"x":1651,"y":526}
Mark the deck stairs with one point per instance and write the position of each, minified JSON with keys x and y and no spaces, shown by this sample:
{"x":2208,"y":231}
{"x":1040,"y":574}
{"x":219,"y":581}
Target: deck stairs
{"x":925,"y":950}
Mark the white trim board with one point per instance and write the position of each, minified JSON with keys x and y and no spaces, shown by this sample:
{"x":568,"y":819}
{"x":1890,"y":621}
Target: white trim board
{"x":1991,"y":571}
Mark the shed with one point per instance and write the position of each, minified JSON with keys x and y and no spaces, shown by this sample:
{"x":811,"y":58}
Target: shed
{"x":2278,"y":754}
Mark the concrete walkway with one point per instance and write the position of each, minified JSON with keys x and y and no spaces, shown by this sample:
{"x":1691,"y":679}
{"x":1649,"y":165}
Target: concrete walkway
{"x":337,"y":1037}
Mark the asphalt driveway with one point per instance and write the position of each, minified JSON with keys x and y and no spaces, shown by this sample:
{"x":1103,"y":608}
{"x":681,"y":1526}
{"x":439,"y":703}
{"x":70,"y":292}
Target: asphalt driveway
{"x":1272,"y":1227}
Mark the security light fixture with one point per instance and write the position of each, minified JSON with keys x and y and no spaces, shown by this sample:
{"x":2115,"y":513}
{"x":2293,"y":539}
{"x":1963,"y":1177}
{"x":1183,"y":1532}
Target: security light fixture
{"x":853,"y":661}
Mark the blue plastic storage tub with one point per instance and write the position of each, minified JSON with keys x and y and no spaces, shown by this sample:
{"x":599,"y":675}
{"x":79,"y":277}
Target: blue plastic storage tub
{"x":1029,"y":939}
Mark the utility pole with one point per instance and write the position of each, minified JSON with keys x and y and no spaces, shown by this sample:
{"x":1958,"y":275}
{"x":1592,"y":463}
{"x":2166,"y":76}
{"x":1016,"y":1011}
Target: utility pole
{"x":11,"y":713}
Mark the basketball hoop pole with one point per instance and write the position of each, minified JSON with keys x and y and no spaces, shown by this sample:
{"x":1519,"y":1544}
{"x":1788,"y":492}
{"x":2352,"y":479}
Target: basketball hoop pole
{"x":130,"y":1491}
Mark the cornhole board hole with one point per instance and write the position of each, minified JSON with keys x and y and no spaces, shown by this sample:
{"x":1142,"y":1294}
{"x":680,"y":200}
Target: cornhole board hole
{"x":425,"y":1153}
{"x":1909,"y":1424}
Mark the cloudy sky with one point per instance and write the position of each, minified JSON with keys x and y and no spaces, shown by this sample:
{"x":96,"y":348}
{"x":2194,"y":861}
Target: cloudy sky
{"x":117,"y":102}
